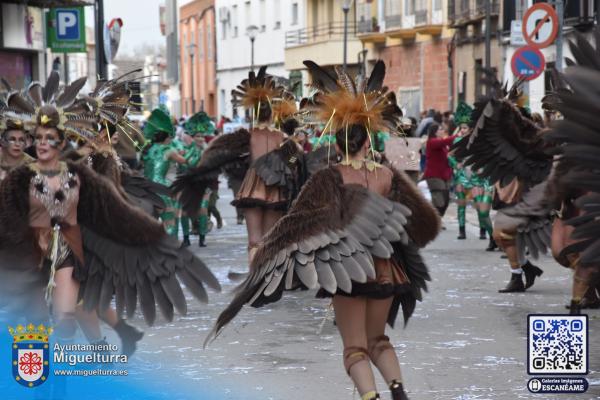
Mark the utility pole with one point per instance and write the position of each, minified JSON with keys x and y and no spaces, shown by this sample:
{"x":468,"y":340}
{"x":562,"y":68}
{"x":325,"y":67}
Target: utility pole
{"x":101,"y":64}
{"x":559,"y":5}
{"x":488,"y":33}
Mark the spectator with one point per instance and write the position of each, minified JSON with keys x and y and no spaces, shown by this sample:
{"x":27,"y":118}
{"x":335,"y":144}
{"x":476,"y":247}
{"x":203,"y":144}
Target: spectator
{"x":438,"y":172}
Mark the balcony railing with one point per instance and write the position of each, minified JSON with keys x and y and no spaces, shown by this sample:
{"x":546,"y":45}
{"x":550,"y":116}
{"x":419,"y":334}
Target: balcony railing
{"x":318,"y":33}
{"x":367,"y":25}
{"x":420,"y":17}
{"x":465,"y":11}
{"x":393,"y":22}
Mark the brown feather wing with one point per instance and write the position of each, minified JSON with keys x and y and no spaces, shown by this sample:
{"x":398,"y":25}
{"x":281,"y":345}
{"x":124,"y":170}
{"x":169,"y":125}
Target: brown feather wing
{"x":225,"y":152}
{"x":327,"y":240}
{"x":128,"y":254}
{"x":504,"y":145}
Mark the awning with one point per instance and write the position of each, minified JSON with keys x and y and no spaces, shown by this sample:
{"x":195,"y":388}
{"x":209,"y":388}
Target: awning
{"x":51,"y":3}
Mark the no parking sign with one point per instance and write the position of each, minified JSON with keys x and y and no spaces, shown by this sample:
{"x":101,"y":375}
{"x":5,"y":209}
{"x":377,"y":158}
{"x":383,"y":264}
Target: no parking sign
{"x":528,"y":63}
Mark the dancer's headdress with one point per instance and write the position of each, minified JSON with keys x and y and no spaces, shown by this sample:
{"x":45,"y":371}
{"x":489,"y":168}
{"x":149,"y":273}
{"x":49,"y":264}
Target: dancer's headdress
{"x":49,"y":106}
{"x":462,"y":115}
{"x":258,"y":91}
{"x":342,"y":101}
{"x":158,"y":121}
{"x":199,"y":123}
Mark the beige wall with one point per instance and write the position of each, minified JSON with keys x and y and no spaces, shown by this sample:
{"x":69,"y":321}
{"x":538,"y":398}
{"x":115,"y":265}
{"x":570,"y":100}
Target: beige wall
{"x":464,"y":61}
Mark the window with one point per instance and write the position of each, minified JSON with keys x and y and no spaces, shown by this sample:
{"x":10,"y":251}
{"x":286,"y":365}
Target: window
{"x":277,"y":11}
{"x":234,"y":20}
{"x":200,"y":44}
{"x":209,"y":43}
{"x":262,"y":15}
{"x":437,"y":5}
{"x":295,"y":14}
{"x":478,"y":73}
{"x":409,"y":7}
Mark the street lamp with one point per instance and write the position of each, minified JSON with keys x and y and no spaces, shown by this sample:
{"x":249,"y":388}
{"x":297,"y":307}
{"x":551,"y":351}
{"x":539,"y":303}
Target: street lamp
{"x":346,"y":4}
{"x":252,"y":31}
{"x":191,"y":48}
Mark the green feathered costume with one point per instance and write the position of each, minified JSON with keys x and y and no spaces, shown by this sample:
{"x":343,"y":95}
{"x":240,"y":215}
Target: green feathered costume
{"x":157,"y":163}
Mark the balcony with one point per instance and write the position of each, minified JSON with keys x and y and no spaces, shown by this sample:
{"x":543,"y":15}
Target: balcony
{"x":368,"y":30}
{"x":324,"y":44}
{"x":319,"y":33}
{"x":429,"y":22}
{"x":464,"y":12}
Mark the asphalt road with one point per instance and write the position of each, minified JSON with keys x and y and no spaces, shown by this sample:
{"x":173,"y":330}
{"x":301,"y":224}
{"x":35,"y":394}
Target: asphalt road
{"x":465,"y":341}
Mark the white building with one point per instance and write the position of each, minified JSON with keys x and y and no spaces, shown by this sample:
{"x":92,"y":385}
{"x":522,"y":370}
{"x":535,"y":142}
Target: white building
{"x":273,"y":18}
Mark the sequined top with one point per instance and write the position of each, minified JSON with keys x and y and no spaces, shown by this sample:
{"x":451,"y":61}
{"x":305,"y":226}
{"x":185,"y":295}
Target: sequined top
{"x":157,"y":163}
{"x":53,"y":207}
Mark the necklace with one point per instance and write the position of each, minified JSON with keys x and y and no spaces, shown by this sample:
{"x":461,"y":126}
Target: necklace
{"x":358,"y":164}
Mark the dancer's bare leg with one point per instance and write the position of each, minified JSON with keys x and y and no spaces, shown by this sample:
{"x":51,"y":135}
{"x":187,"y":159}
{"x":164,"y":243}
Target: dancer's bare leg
{"x":64,"y":303}
{"x":351,"y":320}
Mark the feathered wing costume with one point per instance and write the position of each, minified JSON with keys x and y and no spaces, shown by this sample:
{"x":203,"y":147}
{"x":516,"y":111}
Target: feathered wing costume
{"x":507,"y":147}
{"x":132,"y":260}
{"x":110,"y":102}
{"x":280,"y":168}
{"x":331,"y":234}
{"x":579,"y":136}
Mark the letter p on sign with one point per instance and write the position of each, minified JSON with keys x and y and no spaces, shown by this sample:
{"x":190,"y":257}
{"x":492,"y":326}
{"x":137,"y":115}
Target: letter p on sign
{"x":67,"y":24}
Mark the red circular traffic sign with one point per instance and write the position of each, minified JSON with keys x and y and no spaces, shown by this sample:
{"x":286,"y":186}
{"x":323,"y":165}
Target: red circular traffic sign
{"x":528,"y":63}
{"x":540,"y":25}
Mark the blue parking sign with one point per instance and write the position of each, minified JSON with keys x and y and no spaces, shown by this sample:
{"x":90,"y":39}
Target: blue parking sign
{"x":528,"y":63}
{"x":67,"y":23}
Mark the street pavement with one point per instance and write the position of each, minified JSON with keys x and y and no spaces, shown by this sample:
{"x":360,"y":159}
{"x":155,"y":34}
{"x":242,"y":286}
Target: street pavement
{"x":465,"y":341}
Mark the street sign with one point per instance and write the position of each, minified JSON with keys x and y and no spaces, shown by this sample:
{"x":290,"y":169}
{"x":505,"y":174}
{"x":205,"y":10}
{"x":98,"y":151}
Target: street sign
{"x":112,"y":38}
{"x":66,"y":30}
{"x":540,"y":25}
{"x":516,"y":34}
{"x":528,"y":62}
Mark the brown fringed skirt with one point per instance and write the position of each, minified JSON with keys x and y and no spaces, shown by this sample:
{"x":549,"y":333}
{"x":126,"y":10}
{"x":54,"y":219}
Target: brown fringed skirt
{"x":390,"y":281}
{"x":254,"y":193}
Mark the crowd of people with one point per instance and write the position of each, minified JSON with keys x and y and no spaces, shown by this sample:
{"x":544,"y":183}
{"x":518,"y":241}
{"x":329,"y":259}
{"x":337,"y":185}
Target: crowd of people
{"x":94,"y":209}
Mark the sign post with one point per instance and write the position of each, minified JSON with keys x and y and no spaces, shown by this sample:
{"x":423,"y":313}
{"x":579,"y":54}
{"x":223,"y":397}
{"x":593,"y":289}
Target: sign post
{"x":528,"y":63}
{"x":540,"y":25}
{"x":66,"y":30}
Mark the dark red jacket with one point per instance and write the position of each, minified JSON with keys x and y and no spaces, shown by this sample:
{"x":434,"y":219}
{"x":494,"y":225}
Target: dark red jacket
{"x":436,"y":153}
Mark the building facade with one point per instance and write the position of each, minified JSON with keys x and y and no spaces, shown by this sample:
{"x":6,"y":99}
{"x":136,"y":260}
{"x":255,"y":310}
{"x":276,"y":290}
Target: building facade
{"x":272,"y":19}
{"x":467,"y":17}
{"x":412,"y":37}
{"x":198,"y":57}
{"x":22,"y":44}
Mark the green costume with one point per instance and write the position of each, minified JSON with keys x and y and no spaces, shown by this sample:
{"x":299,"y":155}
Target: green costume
{"x":197,"y":124}
{"x":157,"y":163}
{"x":468,"y":179}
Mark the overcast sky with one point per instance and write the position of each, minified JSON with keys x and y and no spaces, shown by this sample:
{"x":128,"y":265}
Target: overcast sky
{"x":140,"y":21}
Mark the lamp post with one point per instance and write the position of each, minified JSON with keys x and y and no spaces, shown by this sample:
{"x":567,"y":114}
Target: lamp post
{"x":252,"y":31}
{"x":346,"y":4}
{"x":191,"y":48}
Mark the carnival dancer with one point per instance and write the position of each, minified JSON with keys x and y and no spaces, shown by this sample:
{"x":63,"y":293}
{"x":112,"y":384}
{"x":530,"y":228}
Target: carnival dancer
{"x":63,"y":217}
{"x":13,"y":141}
{"x":468,"y":183}
{"x":158,"y":157}
{"x":271,"y":178}
{"x":354,"y":232}
{"x":506,"y":147}
{"x":576,"y":233}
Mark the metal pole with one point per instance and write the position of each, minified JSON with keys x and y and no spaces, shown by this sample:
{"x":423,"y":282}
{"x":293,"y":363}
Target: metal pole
{"x":488,"y":33}
{"x":192,"y":83}
{"x":100,"y":57}
{"x":252,"y":54}
{"x":559,"y":39}
{"x":345,"y":35}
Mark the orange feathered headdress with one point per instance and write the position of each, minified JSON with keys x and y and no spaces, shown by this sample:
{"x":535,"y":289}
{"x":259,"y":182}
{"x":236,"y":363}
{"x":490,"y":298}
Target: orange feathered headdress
{"x":257,"y":91}
{"x":342,"y":101}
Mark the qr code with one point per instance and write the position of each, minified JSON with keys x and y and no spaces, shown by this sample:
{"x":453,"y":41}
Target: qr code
{"x":557,"y":344}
